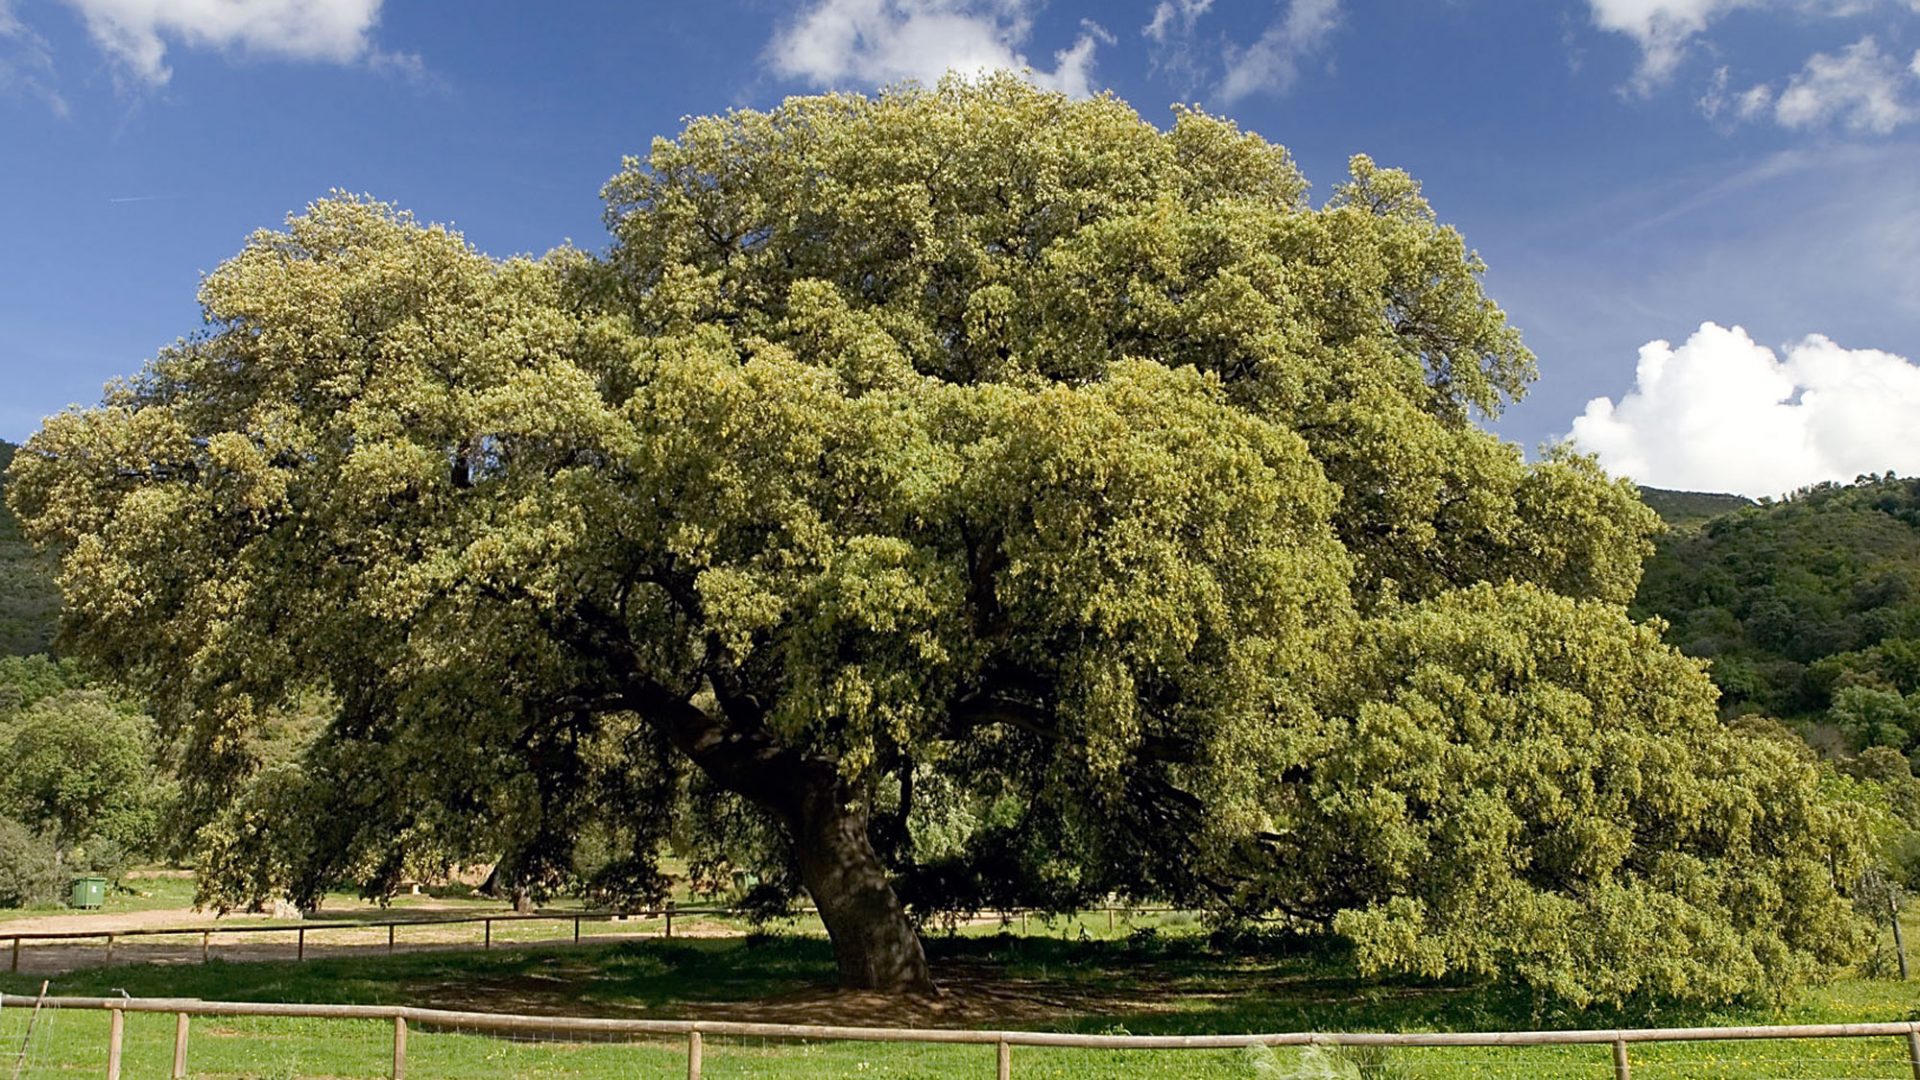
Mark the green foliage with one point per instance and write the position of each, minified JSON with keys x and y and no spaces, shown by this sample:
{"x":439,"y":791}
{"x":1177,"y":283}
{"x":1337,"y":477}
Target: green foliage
{"x":80,"y":787}
{"x":29,"y":867}
{"x":29,"y":596}
{"x":81,"y":767}
{"x":1795,"y":601}
{"x":1877,"y":717}
{"x":27,"y":680}
{"x":1687,"y":510}
{"x":965,"y":487}
{"x":1521,"y":783}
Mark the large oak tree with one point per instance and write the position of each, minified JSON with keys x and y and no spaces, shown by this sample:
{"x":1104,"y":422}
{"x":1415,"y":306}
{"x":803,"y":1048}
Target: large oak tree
{"x":972,"y":493}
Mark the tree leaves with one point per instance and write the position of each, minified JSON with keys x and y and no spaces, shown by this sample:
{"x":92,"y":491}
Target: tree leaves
{"x":1063,"y":498}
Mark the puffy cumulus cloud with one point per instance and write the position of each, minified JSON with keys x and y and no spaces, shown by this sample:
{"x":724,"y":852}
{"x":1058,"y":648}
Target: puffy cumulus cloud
{"x":1721,"y":413}
{"x":874,"y":42}
{"x":1860,"y":87}
{"x":136,"y":32}
{"x":1272,"y":63}
{"x":1663,"y":29}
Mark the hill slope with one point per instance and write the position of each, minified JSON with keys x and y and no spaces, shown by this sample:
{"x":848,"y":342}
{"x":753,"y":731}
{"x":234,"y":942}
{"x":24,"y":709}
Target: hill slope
{"x":1792,"y":600}
{"x":1686,"y":509}
{"x":29,"y":599}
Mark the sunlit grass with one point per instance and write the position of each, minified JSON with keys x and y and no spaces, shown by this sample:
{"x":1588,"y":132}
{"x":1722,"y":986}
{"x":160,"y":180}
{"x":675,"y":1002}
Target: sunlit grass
{"x":1170,"y":981}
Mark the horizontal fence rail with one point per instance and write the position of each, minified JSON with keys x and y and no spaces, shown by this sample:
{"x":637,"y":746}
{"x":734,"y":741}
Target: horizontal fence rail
{"x":12,"y":941}
{"x":404,"y":1016}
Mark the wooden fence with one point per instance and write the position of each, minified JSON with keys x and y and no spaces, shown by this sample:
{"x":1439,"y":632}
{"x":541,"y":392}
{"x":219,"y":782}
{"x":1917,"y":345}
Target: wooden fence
{"x":692,"y":1031}
{"x":298,"y":931}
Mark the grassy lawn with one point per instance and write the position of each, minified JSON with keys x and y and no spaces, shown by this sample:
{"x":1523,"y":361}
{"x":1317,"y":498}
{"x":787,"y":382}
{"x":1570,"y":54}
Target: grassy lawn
{"x":1165,"y":983}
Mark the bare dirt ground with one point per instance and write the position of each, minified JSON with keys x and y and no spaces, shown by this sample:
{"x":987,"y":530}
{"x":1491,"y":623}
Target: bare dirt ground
{"x":205,"y":935}
{"x":116,"y":922}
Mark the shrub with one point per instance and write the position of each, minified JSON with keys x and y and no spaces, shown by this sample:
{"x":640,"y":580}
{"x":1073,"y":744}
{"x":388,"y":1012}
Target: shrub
{"x":29,"y":873}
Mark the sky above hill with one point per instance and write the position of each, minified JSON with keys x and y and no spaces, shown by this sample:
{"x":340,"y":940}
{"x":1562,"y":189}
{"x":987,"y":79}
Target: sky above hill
{"x":1703,"y":214}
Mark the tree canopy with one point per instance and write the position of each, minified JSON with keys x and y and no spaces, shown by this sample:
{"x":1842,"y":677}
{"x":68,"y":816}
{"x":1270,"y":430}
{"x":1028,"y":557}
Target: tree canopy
{"x":29,"y":598}
{"x":950,"y":496}
{"x":81,"y":782}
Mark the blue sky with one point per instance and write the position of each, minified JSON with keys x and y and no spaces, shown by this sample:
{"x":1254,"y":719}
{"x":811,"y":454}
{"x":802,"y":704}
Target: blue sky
{"x":1739,"y":178}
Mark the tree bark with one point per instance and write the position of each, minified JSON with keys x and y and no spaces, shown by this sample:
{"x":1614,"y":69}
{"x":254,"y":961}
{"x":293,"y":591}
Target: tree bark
{"x":874,"y":943}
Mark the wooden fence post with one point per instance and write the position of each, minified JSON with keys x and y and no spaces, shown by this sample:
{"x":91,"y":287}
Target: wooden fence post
{"x":389,"y":939}
{"x":116,"y":1033}
{"x":399,"y":1048}
{"x":206,"y":944}
{"x":300,"y":944}
{"x":1006,"y":1061}
{"x":489,"y":926}
{"x":109,"y":948}
{"x":15,"y":966}
{"x":669,"y":918}
{"x":1621,"y":1070}
{"x":693,"y":1054}
{"x":576,"y":929}
{"x":179,"y":1046}
{"x":1913,"y":1049}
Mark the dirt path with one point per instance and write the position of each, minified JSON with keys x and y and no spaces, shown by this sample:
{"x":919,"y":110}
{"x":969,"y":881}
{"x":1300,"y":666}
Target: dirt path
{"x":114,"y":922}
{"x":205,"y":938}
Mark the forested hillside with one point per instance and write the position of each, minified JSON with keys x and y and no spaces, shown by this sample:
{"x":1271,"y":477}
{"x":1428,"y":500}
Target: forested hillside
{"x":1809,"y":607}
{"x":1686,"y":509}
{"x":29,"y":600}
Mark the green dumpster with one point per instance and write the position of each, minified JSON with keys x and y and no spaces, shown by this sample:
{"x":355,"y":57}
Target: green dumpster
{"x":89,"y":892}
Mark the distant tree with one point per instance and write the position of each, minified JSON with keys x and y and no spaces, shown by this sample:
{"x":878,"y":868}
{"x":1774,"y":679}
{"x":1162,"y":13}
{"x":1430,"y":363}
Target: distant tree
{"x":80,"y":767}
{"x":1871,"y":716}
{"x":960,"y":489}
{"x":25,"y":680}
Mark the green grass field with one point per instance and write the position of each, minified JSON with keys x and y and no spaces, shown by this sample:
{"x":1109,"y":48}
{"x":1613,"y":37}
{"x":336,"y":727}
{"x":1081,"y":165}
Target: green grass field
{"x":1163,"y":983}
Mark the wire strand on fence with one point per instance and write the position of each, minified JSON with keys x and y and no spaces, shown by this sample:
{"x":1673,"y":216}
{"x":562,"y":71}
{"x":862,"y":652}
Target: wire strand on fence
{"x":52,"y":952}
{"x":349,"y":1040}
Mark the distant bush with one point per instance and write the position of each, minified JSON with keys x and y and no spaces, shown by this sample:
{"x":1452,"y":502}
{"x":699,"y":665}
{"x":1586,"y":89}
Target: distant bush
{"x":29,"y":873}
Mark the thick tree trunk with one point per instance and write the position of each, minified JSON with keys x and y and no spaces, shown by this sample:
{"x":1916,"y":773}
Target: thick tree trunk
{"x":873,"y":941}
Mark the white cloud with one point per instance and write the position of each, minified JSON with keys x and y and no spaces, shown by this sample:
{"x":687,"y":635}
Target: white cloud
{"x":1272,"y":64}
{"x":1663,"y":28}
{"x":26,"y":62}
{"x":874,"y":42}
{"x":1748,"y":104}
{"x":1171,"y":50}
{"x":1860,"y":87}
{"x":137,"y":32}
{"x":1174,"y":19}
{"x":1721,"y":413}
